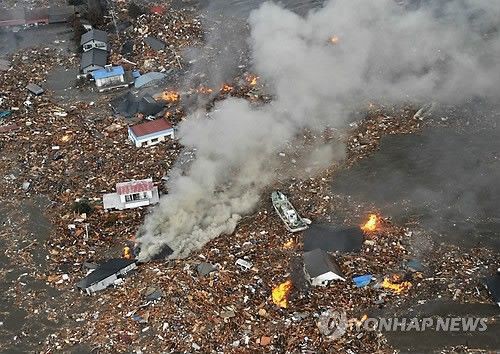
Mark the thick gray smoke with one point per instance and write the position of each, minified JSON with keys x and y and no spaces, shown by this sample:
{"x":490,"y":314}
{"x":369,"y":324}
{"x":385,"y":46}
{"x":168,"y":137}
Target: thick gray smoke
{"x":382,"y":52}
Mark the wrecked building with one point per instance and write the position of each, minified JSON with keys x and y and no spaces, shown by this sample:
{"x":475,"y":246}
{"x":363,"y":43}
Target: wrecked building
{"x":321,"y":268}
{"x":106,"y":275}
{"x":132,"y":194}
{"x":94,"y":39}
{"x":150,"y":133}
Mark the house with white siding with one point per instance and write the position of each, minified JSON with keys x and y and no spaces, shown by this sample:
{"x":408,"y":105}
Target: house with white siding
{"x":94,"y":39}
{"x":321,"y":268}
{"x":107,"y":274}
{"x":132,"y":194}
{"x":150,"y":133}
{"x":110,"y":77}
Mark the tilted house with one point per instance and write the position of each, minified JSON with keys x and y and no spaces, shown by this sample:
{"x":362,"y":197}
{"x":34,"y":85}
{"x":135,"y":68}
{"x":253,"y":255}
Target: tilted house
{"x":93,"y":59}
{"x":132,"y":194}
{"x":109,"y":77}
{"x":106,"y":275}
{"x":150,"y":133}
{"x":94,"y":39}
{"x":320,"y":268}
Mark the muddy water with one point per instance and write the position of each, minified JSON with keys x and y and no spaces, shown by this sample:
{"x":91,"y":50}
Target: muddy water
{"x":445,"y":180}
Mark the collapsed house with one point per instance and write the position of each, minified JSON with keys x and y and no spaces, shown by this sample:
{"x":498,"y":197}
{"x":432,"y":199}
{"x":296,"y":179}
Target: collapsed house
{"x":150,"y":133}
{"x":132,"y":194}
{"x":321,"y":268}
{"x":106,"y":274}
{"x":128,"y":105}
{"x":332,"y":238}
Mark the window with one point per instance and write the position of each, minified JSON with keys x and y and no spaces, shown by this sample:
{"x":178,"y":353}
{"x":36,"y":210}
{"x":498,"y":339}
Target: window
{"x":134,"y":197}
{"x":154,"y":140}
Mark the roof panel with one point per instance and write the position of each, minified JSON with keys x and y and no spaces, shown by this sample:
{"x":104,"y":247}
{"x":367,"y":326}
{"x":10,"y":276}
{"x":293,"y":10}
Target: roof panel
{"x":151,"y":127}
{"x":142,"y":185}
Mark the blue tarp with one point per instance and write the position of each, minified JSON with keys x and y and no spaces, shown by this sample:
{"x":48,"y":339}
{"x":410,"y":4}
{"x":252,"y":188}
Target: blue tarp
{"x":108,"y":72}
{"x":362,"y":280}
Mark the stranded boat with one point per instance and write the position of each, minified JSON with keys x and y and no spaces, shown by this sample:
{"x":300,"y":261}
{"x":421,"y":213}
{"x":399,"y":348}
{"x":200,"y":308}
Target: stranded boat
{"x":287,"y":213}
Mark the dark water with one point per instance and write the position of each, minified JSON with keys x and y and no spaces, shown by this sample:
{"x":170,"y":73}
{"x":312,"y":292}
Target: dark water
{"x":447,"y":181}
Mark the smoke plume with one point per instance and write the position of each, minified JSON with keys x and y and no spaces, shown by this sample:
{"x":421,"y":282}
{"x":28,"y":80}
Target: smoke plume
{"x":380,"y":51}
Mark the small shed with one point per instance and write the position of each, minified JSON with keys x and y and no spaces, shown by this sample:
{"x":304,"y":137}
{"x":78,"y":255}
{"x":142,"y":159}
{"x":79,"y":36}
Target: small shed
{"x":106,"y":275}
{"x":132,"y":194}
{"x":94,"y":39}
{"x":150,"y":133}
{"x":94,"y":59}
{"x":109,"y":77}
{"x":34,"y":89}
{"x":321,"y":268}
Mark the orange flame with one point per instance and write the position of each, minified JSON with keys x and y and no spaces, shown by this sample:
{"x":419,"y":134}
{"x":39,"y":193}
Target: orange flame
{"x":204,"y":90}
{"x":289,"y":244}
{"x":280,"y":294}
{"x":170,"y":96}
{"x":127,"y":253}
{"x":65,"y":138}
{"x":397,"y":288}
{"x":334,"y":39}
{"x":226,"y":88}
{"x":252,"y":79}
{"x":371,"y":224}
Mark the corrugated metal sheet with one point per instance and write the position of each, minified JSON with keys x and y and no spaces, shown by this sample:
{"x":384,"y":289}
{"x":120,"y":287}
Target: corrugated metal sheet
{"x":131,"y":187}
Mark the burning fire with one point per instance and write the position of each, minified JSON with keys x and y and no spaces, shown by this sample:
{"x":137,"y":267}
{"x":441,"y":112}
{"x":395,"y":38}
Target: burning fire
{"x":280,"y":294}
{"x":170,"y":96}
{"x":334,"y":39}
{"x":397,"y":288}
{"x":204,"y":90}
{"x":65,"y":138}
{"x":289,"y":244}
{"x":371,"y":224}
{"x":226,"y":88}
{"x":127,"y":253}
{"x":252,"y":79}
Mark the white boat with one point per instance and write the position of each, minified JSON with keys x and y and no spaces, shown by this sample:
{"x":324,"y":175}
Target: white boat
{"x":287,"y":213}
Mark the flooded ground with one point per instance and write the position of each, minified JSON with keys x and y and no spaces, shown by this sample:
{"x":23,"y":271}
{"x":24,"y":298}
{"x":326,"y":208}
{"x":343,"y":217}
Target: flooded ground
{"x":446,"y":181}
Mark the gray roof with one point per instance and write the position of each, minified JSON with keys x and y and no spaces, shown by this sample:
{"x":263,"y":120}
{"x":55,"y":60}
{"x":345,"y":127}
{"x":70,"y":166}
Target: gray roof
{"x":148,"y":78}
{"x":155,"y":43}
{"x":94,"y":34}
{"x":34,"y":88}
{"x":105,"y":270}
{"x":333,"y":238}
{"x":94,"y":56}
{"x":318,"y":262}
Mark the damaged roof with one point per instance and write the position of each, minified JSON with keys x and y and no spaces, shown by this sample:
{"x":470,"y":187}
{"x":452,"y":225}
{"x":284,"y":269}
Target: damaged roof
{"x":493,"y":284}
{"x":96,"y":35}
{"x":333,"y":238}
{"x":155,"y":43}
{"x":94,"y":56}
{"x":318,"y":262}
{"x":130,"y":187}
{"x":104,"y":270}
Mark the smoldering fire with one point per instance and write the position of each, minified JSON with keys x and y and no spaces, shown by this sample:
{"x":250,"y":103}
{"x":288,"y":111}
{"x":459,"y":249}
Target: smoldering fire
{"x":386,"y":53}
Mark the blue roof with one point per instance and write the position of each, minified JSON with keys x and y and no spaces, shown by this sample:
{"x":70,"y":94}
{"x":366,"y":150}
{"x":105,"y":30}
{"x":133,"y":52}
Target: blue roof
{"x":108,"y":72}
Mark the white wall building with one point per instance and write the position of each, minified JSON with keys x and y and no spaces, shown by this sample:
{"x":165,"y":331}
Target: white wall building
{"x":320,"y":268}
{"x":132,"y":194}
{"x":150,"y":133}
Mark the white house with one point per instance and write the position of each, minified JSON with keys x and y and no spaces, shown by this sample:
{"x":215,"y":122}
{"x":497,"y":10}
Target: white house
{"x":320,"y":268}
{"x":109,"y":77}
{"x":106,"y":275}
{"x":132,"y":194}
{"x":94,"y":39}
{"x":150,"y":133}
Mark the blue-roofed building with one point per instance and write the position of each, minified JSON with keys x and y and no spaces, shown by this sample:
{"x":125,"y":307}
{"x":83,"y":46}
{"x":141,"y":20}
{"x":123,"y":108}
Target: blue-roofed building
{"x":109,"y":77}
